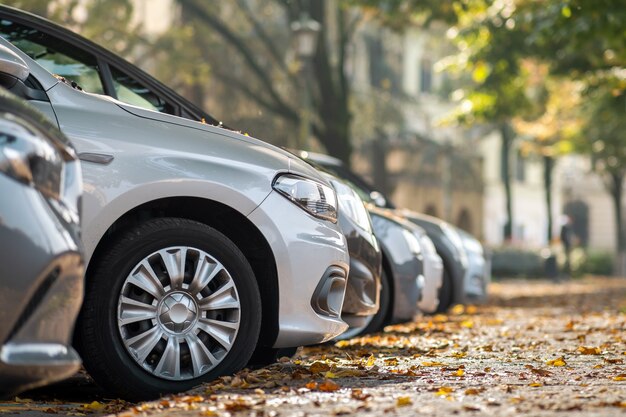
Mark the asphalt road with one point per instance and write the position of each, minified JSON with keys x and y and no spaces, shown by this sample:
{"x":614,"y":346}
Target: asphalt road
{"x":536,"y":349}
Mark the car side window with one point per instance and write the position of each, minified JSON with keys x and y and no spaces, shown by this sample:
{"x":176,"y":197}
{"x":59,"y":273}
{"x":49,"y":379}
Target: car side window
{"x":58,"y":57}
{"x":129,"y":90}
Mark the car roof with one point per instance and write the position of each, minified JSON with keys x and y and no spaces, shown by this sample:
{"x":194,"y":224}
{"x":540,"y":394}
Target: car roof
{"x":27,"y":18}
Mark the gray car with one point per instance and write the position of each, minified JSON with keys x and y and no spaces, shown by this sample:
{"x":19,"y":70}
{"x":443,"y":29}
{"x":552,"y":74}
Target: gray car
{"x":198,"y":239}
{"x":41,"y":278}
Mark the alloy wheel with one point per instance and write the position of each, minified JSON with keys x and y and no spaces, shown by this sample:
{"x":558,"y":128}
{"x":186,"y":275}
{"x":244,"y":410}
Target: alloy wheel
{"x":178,"y":313}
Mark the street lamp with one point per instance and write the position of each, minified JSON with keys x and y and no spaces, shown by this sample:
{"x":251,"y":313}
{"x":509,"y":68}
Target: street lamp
{"x":305,"y":32}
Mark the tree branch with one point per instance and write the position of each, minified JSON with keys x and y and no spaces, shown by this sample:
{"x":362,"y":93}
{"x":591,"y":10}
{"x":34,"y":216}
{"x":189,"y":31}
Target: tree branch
{"x":256,"y":96}
{"x":229,"y":36}
{"x":266,"y":40}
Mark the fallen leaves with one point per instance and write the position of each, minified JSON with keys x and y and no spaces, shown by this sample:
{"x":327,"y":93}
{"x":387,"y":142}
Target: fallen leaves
{"x":556,"y":362}
{"x":404,"y":401}
{"x":584,"y":350}
{"x":328,"y":386}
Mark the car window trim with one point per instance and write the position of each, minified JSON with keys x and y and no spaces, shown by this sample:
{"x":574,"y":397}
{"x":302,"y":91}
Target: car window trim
{"x":101,"y":53}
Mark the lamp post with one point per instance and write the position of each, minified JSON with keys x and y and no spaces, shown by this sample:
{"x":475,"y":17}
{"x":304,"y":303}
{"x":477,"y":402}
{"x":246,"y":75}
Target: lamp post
{"x":305,"y":32}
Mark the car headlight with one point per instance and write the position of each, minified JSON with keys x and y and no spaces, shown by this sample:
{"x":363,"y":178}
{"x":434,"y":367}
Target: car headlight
{"x":30,"y":157}
{"x":352,"y":205}
{"x":314,"y":197}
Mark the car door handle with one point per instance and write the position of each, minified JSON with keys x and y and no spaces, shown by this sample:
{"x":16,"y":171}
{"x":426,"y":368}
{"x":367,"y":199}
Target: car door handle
{"x":96,"y":158}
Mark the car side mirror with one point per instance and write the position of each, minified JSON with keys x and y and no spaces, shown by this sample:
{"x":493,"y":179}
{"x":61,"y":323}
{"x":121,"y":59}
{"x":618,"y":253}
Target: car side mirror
{"x":12,"y":68}
{"x":378,"y":199}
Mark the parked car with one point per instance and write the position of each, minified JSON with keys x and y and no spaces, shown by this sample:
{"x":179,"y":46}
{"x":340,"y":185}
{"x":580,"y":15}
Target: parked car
{"x":361,"y":303}
{"x":41,"y":279}
{"x":402,"y":278}
{"x":478,"y":273}
{"x":433,"y":272}
{"x":444,"y":236}
{"x":198,"y":239}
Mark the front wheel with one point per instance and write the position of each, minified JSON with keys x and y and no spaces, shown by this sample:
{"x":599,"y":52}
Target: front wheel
{"x":171,"y":304}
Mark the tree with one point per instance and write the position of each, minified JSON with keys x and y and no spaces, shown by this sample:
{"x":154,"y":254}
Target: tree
{"x":583,"y":40}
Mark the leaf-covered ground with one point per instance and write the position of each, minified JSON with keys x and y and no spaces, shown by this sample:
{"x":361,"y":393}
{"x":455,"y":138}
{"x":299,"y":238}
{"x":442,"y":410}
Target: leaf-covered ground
{"x":537,"y":349}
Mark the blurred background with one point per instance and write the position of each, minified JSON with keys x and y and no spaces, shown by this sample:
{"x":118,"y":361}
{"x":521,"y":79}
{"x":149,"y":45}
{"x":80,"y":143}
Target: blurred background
{"x":503,"y":117}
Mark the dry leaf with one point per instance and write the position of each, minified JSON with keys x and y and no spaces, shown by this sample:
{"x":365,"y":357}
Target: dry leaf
{"x":444,"y":391}
{"x":557,"y":362}
{"x":93,"y":406}
{"x":472,"y":391}
{"x":403,"y":401}
{"x":328,"y":386}
{"x":620,"y":377}
{"x":319,"y":367}
{"x":584,"y":350}
{"x":433,"y":364}
{"x":535,"y":384}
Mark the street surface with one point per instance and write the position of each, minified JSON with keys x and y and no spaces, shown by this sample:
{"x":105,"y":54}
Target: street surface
{"x":536,"y":349}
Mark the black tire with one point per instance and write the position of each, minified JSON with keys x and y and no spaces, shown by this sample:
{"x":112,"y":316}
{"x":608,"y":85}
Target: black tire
{"x":98,"y":338}
{"x":446,"y":292}
{"x":264,"y":356}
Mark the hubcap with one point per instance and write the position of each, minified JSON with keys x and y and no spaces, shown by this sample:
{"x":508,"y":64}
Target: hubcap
{"x":178,"y":313}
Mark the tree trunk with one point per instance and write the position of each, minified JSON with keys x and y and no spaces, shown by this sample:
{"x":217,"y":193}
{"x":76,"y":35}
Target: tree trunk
{"x":548,"y":167}
{"x":507,"y":136}
{"x":617,"y":190}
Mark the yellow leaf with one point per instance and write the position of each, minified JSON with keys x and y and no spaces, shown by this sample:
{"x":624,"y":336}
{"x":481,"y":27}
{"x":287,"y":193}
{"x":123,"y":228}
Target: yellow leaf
{"x":458,"y":309}
{"x":535,"y":384}
{"x":459,"y":372}
{"x":391,"y":362}
{"x":557,"y":362}
{"x":584,"y":350}
{"x":444,"y":391}
{"x":370,"y":361}
{"x":620,"y":377}
{"x":459,"y":354}
{"x":94,"y":405}
{"x":468,"y":324}
{"x":331,"y":375}
{"x":471,"y":310}
{"x":433,"y":364}
{"x":403,"y":401}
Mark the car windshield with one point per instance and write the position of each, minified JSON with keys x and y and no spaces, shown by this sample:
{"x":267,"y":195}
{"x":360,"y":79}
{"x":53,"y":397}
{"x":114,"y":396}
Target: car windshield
{"x":57,"y":57}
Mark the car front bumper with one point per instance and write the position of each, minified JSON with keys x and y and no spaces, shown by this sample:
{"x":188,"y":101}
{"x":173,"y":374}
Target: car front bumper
{"x":312,"y":263}
{"x":433,"y":280}
{"x":477,"y":277}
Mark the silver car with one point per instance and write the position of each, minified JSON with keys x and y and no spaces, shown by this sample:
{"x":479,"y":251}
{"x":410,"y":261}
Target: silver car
{"x":433,"y":272}
{"x":41,"y":277}
{"x":202,"y":244}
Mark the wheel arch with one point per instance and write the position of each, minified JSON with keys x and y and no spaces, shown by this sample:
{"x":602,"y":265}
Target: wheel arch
{"x":226,"y":220}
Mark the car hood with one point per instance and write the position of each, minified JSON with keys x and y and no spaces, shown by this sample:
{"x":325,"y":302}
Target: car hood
{"x":295,"y":165}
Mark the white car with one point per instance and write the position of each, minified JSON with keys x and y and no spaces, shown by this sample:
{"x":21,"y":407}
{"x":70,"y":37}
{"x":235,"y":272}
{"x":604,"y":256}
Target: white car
{"x":202,"y":244}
